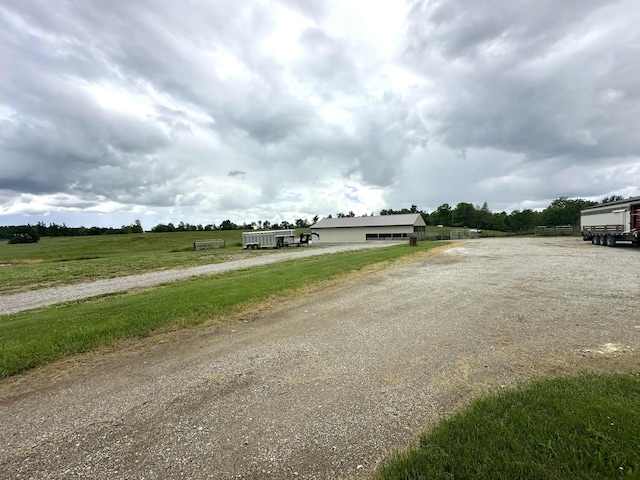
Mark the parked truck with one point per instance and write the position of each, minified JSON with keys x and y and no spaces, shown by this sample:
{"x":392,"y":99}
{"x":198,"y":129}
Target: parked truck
{"x":275,"y":239}
{"x":613,"y":222}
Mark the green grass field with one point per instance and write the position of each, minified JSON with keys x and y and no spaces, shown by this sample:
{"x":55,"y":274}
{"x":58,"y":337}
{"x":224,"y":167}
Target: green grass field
{"x":583,"y":427}
{"x":63,"y":260}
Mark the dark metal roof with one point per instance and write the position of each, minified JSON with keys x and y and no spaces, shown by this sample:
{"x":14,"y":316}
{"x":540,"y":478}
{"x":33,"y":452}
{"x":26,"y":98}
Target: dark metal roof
{"x":617,"y":202}
{"x":372,"y":221}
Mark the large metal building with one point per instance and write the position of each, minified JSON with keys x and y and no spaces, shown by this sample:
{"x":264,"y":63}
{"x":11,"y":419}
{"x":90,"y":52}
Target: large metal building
{"x":374,"y":228}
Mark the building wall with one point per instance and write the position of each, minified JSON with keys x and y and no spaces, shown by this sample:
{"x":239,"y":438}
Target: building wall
{"x":618,"y":215}
{"x":356,"y":234}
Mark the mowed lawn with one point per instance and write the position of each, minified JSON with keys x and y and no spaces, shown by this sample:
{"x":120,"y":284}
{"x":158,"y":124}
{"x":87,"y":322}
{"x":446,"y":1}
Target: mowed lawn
{"x":63,"y":260}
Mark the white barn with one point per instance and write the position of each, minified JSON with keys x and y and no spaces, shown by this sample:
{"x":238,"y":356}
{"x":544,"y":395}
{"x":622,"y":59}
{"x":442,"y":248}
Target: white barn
{"x":363,"y":229}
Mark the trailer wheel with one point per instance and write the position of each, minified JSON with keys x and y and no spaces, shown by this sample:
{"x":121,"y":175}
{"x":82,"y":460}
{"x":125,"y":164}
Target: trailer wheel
{"x":611,"y":241}
{"x":594,"y":240}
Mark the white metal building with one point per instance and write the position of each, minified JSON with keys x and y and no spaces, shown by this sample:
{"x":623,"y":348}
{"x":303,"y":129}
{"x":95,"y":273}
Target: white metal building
{"x":363,"y":229}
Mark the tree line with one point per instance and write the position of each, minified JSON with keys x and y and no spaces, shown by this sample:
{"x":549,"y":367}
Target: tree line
{"x":33,"y":233}
{"x":229,"y":225}
{"x":561,"y":211}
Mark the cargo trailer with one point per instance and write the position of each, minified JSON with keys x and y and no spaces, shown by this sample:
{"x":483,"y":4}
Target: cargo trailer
{"x":613,"y":222}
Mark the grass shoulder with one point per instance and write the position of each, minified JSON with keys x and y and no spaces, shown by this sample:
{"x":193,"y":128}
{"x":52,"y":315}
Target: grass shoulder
{"x":576,"y":427}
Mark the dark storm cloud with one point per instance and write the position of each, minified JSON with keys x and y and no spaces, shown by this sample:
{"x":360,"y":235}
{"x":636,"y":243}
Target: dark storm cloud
{"x":540,"y":79}
{"x":155,"y":103}
{"x":329,"y":63}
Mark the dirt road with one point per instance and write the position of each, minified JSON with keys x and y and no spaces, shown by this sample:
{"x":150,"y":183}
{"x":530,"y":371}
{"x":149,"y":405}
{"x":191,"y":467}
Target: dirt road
{"x":326,"y":386}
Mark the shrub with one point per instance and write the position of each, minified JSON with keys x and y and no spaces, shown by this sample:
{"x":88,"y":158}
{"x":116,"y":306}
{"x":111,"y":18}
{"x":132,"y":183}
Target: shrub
{"x":24,"y":235}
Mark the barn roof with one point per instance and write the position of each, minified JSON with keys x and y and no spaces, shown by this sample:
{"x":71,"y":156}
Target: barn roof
{"x":372,"y":221}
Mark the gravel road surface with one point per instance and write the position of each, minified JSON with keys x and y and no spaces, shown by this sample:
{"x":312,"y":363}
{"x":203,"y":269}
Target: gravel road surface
{"x":325,"y":386}
{"x":18,"y":302}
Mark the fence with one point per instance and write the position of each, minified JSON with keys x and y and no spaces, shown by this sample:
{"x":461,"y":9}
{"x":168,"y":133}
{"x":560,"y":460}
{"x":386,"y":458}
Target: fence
{"x":462,"y":233}
{"x":558,"y":230}
{"x":209,"y":244}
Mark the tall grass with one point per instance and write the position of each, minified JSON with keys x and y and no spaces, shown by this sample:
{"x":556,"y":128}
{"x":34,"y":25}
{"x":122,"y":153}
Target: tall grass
{"x":35,"y":337}
{"x":583,"y":427}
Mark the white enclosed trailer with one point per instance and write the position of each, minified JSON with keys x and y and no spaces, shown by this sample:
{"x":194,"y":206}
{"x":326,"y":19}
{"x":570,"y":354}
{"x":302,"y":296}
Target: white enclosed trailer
{"x":612,"y":222}
{"x":268,"y":239}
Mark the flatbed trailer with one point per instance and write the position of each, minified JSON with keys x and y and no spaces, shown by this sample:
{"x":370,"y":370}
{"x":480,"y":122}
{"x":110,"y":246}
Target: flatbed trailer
{"x":613,"y":222}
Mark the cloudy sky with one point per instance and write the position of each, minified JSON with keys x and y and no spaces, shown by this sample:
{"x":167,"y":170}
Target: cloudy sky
{"x":201,"y":111}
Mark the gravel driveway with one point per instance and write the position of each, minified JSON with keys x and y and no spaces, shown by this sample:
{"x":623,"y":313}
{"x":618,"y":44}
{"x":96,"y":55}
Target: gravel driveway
{"x":326,"y":386}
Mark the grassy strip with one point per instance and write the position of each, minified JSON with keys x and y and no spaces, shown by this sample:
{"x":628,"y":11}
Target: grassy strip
{"x":33,"y":338}
{"x":64,"y":260}
{"x":582,"y":427}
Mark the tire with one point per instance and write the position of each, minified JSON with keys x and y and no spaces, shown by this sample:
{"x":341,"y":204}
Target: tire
{"x":594,"y":240}
{"x":611,"y":241}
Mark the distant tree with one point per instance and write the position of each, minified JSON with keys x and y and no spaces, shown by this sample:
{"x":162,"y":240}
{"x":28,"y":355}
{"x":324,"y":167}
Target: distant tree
{"x":522,"y":221}
{"x":483,"y":218}
{"x":164,"y":228}
{"x":351,"y":214}
{"x":498,"y":222}
{"x":340,"y":215}
{"x":315,"y":218}
{"x":302,"y":223}
{"x":42,"y":229}
{"x":611,"y":198}
{"x":24,"y":234}
{"x":228,"y":225}
{"x":564,"y":211}
{"x":54,"y":230}
{"x":442,"y":215}
{"x":463,"y":215}
{"x":266,"y":224}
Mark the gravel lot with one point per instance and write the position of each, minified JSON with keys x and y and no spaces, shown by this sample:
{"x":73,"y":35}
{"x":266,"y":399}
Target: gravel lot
{"x":326,"y":386}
